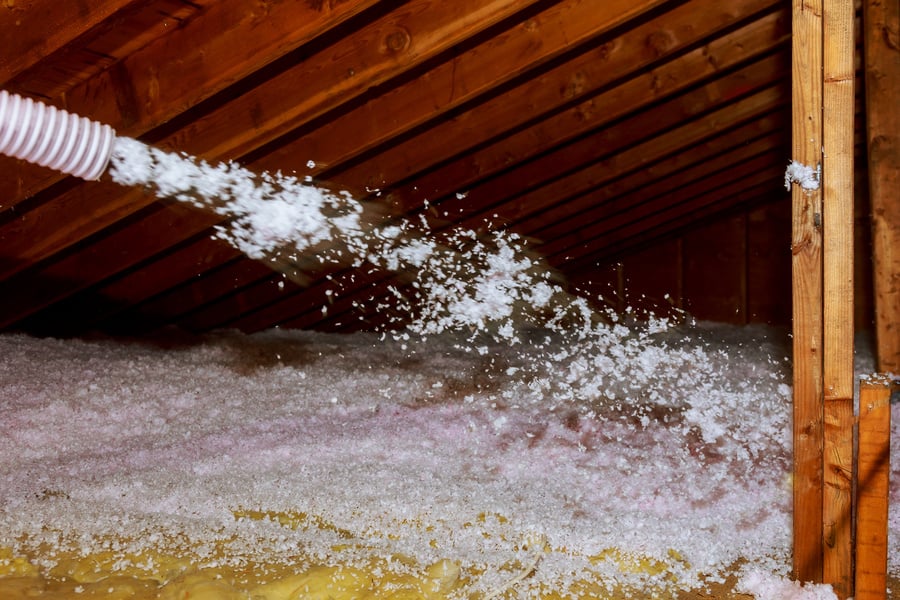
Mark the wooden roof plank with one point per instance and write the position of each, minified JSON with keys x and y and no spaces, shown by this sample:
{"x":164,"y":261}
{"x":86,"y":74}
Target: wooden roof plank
{"x":664,"y":220}
{"x":309,"y":305}
{"x":113,"y":39}
{"x":484,"y":67}
{"x":771,"y":24}
{"x":702,"y":215}
{"x":764,"y":127}
{"x":109,"y":245}
{"x":623,"y":155}
{"x":500,"y":116}
{"x":166,"y":272}
{"x":107,"y":302}
{"x":183,"y":68}
{"x":630,"y":209}
{"x":670,"y":219}
{"x":39,"y":28}
{"x":697,"y":176}
{"x":367,"y":291}
{"x":717,"y":121}
{"x":220,"y":312}
{"x":65,"y":222}
{"x":227,"y":279}
{"x":406,"y":37}
{"x":464,"y":172}
{"x":109,"y":254}
{"x":692,"y":213}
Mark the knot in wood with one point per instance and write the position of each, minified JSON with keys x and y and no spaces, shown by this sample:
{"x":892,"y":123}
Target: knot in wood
{"x":605,"y":50}
{"x":659,"y":42}
{"x":397,"y":41}
{"x":575,"y":86}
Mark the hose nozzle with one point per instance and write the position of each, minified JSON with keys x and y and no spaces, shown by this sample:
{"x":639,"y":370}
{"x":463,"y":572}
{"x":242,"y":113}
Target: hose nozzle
{"x":49,"y":137}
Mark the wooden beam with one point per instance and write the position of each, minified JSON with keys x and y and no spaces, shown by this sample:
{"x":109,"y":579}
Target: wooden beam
{"x":873,"y":487}
{"x":55,"y":226}
{"x":226,"y":280}
{"x":370,"y":290}
{"x":105,"y":304}
{"x":881,"y":19}
{"x":406,"y":37}
{"x":712,"y":124}
{"x":658,"y":84}
{"x":806,"y":248}
{"x":97,"y":49}
{"x":838,"y":331}
{"x":696,"y":212}
{"x":508,"y":53}
{"x":39,"y":288}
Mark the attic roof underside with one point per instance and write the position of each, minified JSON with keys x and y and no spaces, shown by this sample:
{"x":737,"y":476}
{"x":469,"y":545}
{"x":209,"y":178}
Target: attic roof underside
{"x":592,"y":128}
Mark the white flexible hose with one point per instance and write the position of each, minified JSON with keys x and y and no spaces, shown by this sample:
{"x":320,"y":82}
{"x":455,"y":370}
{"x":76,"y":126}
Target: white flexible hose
{"x":49,"y":137}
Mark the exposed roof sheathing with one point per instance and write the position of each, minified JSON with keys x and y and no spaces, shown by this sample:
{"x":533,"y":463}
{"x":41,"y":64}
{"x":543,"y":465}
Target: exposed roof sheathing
{"x":590,"y":127}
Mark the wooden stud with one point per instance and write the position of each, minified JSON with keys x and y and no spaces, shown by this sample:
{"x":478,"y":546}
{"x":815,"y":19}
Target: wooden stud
{"x":873,"y":487}
{"x":806,"y":246}
{"x":838,"y":332}
{"x":881,"y":19}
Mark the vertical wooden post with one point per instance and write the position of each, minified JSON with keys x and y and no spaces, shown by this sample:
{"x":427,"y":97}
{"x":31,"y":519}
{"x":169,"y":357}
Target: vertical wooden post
{"x":873,"y":487}
{"x":882,"y":81}
{"x":806,"y":248}
{"x":837,"y":179}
